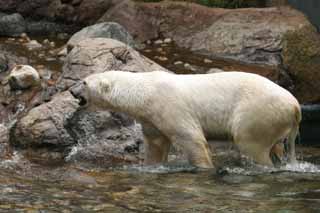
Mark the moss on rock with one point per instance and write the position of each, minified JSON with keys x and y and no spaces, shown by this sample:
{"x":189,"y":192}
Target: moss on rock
{"x":301,"y":57}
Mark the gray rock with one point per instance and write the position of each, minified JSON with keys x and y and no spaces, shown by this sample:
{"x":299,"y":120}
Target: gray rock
{"x":4,"y":141}
{"x":4,"y":134}
{"x":103,"y":30}
{"x":12,"y":25}
{"x":3,"y":63}
{"x":95,"y":55}
{"x":46,"y":123}
{"x":46,"y":28}
{"x":23,"y":77}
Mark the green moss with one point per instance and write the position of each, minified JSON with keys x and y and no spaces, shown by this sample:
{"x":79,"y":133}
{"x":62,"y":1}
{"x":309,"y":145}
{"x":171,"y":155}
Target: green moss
{"x":301,"y":57}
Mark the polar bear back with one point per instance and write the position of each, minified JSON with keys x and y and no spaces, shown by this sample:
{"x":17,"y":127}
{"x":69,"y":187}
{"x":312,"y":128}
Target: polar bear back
{"x":217,"y":102}
{"x":221,"y":99}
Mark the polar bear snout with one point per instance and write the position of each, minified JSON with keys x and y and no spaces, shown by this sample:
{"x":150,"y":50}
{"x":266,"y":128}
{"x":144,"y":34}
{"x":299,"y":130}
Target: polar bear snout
{"x":79,"y":92}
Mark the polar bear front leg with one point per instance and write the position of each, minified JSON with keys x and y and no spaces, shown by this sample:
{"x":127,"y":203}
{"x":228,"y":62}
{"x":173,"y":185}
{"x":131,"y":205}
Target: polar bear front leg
{"x":156,"y":145}
{"x":196,"y":148}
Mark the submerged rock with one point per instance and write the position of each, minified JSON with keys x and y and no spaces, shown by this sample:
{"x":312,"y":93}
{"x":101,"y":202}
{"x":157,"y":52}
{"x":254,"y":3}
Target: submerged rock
{"x":23,"y":77}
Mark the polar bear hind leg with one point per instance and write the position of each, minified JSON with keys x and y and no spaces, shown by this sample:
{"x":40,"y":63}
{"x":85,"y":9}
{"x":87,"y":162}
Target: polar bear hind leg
{"x":259,"y":144}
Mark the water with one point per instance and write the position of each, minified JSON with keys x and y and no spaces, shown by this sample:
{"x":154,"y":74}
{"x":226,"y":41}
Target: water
{"x":237,"y":184}
{"x":237,"y":187}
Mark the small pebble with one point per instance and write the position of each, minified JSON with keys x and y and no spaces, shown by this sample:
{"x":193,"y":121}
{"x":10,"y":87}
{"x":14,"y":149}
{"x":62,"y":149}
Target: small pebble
{"x":178,"y":63}
{"x":52,"y":44}
{"x":158,"y":41}
{"x":207,"y":61}
{"x":167,"y":40}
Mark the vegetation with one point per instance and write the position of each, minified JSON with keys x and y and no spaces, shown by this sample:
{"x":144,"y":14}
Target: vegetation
{"x":221,"y":3}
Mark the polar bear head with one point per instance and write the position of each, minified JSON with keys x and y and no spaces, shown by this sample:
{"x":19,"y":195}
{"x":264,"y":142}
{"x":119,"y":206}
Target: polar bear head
{"x":103,"y":91}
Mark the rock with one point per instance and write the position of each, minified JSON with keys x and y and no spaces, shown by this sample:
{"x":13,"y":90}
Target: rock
{"x":207,"y":61}
{"x":241,"y":34}
{"x":158,"y":41}
{"x":103,"y":136}
{"x":23,"y":77}
{"x":161,"y":58}
{"x":82,"y":12}
{"x":4,"y":134}
{"x":301,"y":58}
{"x":103,"y":30}
{"x":12,"y":25}
{"x":167,"y":40}
{"x":96,"y":55}
{"x":63,"y":36}
{"x":25,"y":37}
{"x":3,"y":63}
{"x":52,"y":44}
{"x":106,"y":138}
{"x":45,"y":124}
{"x":4,"y":141}
{"x":33,"y":45}
{"x":178,"y":63}
{"x":45,"y":28}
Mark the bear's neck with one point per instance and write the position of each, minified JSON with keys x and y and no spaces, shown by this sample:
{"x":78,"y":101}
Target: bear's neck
{"x":130,"y":96}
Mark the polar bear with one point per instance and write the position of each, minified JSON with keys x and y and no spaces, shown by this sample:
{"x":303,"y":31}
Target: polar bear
{"x":252,"y":111}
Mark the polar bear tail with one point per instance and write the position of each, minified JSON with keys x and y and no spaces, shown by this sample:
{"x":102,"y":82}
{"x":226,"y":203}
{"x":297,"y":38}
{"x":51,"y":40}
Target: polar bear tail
{"x":293,"y":135}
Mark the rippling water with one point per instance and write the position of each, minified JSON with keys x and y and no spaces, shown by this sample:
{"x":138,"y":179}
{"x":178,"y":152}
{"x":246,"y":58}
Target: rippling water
{"x":236,"y":187}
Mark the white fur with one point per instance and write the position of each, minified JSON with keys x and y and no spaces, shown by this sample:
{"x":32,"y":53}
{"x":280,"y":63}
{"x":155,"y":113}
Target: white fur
{"x":249,"y":109}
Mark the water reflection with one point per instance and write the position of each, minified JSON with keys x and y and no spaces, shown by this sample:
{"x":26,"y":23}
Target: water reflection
{"x":167,"y":188}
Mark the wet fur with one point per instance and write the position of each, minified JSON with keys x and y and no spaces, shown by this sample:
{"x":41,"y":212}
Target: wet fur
{"x":189,"y":109}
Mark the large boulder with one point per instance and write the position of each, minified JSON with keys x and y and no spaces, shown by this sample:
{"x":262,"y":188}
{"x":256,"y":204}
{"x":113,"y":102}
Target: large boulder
{"x":95,"y":55}
{"x":76,"y":11}
{"x":280,"y":39}
{"x":100,"y":137}
{"x":12,"y":25}
{"x":45,"y":124}
{"x":249,"y":35}
{"x":103,"y":30}
{"x":301,"y":57}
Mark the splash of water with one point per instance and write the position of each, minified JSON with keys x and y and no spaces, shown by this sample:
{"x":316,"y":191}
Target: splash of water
{"x":304,"y":167}
{"x":13,"y":118}
{"x":159,"y":169}
{"x":12,"y":162}
{"x":298,"y":167}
